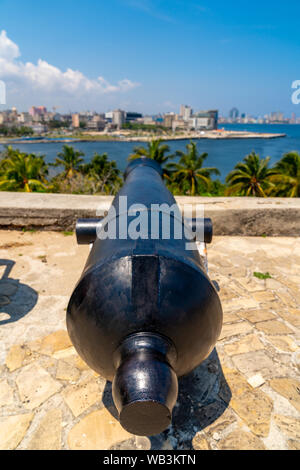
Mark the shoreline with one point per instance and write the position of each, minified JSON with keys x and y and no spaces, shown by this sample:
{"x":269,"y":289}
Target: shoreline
{"x":96,"y":137}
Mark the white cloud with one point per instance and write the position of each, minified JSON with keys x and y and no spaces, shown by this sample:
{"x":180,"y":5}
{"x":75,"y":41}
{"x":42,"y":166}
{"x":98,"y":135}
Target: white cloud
{"x":8,"y":49}
{"x":46,"y":78}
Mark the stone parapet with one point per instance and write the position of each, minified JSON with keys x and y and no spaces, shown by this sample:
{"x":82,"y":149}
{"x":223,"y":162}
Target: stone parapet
{"x":230,"y":216}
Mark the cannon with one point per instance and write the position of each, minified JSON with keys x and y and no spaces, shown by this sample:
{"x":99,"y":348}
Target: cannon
{"x":144,"y":311}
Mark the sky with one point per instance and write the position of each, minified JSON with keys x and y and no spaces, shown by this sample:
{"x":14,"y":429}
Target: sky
{"x":150,"y":55}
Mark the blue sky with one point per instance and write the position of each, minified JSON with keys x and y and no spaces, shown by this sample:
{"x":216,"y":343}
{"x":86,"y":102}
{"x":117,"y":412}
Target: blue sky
{"x":151,"y":55}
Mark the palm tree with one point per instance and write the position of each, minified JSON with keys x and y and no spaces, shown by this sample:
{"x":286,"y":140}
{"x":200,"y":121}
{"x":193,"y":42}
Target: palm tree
{"x":188,"y":175}
{"x":8,"y":152}
{"x":251,"y":178}
{"x":22,"y":172}
{"x":70,"y":160}
{"x":286,"y":176}
{"x":155,"y":150}
{"x":103,"y":173}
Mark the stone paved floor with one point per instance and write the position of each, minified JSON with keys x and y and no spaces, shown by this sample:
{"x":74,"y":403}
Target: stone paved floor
{"x":245,"y":396}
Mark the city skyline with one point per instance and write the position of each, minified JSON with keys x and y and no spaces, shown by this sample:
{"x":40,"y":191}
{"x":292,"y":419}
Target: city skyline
{"x":149,"y":56}
{"x":40,"y":120}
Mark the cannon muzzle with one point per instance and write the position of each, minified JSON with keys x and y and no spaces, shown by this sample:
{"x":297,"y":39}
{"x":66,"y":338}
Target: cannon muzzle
{"x":144,"y":311}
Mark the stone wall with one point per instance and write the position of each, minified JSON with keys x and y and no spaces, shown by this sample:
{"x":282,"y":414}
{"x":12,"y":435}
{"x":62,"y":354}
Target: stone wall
{"x":230,"y":216}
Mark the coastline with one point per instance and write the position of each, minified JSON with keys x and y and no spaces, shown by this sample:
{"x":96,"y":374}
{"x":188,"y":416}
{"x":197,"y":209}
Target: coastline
{"x":117,"y":137}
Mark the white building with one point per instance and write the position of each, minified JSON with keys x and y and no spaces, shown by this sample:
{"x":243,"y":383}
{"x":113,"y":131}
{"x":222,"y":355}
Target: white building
{"x":119,"y":118}
{"x":24,"y":118}
{"x":96,"y":123}
{"x":186,"y":112}
{"x":39,"y":128}
{"x":204,"y":120}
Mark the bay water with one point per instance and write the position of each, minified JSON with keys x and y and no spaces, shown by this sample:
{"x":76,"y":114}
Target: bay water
{"x":223,"y":153}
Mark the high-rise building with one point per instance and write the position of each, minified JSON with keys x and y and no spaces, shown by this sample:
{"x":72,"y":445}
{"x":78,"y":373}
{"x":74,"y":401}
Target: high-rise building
{"x":186,"y":112}
{"x":118,"y":118}
{"x":277,"y":116}
{"x":234,"y":114}
{"x":75,"y":120}
{"x":37,"y":111}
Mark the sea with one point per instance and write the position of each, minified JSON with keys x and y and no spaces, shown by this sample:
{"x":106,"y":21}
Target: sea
{"x":223,"y":154}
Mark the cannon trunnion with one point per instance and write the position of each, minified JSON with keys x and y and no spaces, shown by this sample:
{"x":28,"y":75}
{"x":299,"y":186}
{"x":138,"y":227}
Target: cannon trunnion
{"x":144,"y":311}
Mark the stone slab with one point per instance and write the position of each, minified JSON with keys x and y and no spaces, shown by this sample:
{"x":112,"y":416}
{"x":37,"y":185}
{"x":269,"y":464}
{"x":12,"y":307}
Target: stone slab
{"x":13,"y":429}
{"x":241,"y":440}
{"x":97,"y":431}
{"x":47,"y":436}
{"x":35,"y":386}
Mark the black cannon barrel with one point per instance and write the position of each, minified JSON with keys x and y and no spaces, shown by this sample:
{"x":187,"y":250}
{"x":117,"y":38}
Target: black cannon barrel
{"x":144,"y":311}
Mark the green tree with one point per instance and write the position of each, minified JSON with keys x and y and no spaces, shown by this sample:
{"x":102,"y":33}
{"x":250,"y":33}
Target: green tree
{"x":70,"y":159}
{"x":216,"y":189}
{"x":56,"y":124}
{"x":252,"y":177}
{"x":155,"y":150}
{"x":16,"y":131}
{"x":286,"y":176}
{"x":104,"y":174}
{"x":188,"y":176}
{"x":23,"y":172}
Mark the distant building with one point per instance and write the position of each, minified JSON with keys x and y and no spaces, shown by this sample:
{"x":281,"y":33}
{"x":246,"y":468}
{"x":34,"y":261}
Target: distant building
{"x":10,"y":116}
{"x":168,"y":119}
{"x":24,"y":118}
{"x":276,"y":117}
{"x":75,"y":120}
{"x":96,"y":123}
{"x":186,"y":112}
{"x":179,"y":124}
{"x":109,"y":116}
{"x":39,"y":128}
{"x":132,"y":116}
{"x":148,"y":120}
{"x":119,"y":118}
{"x":57,"y":117}
{"x":38,"y":111}
{"x":234,"y":114}
{"x":204,"y":120}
